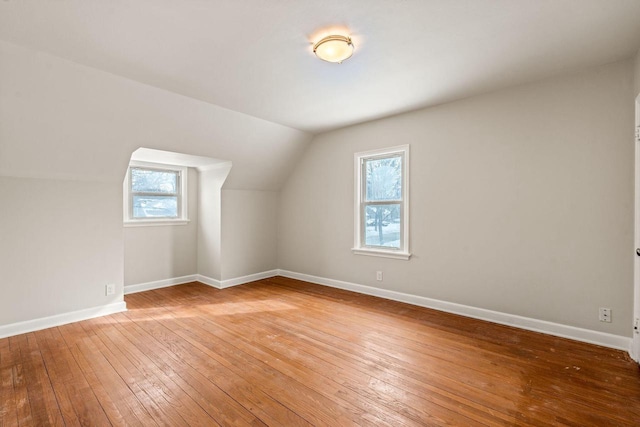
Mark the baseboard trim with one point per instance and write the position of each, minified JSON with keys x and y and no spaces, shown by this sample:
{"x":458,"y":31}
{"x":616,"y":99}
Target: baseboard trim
{"x":158,"y":284}
{"x":214,"y":283}
{"x":222,"y":284}
{"x":550,"y":328}
{"x":634,"y":353}
{"x":60,"y":319}
{"x":249,"y":278}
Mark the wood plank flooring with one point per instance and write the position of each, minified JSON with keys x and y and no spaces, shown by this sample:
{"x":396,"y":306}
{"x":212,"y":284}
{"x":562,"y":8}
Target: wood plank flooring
{"x":281,"y":352}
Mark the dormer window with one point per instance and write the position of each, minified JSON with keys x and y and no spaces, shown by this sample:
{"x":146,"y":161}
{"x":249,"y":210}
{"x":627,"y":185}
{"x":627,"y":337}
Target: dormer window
{"x":155,"y":194}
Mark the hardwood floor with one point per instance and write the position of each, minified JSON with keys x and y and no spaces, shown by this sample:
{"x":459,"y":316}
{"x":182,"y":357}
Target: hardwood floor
{"x":285,"y":352}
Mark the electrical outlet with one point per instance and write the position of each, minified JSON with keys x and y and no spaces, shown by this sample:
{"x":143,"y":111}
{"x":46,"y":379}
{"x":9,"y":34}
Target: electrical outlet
{"x":109,"y":289}
{"x":605,"y":314}
{"x":379,"y":276}
{"x":636,"y":326}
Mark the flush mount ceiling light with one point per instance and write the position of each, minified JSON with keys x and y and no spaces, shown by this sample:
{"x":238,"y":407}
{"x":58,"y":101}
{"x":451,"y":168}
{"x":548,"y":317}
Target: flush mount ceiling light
{"x":334,"y":48}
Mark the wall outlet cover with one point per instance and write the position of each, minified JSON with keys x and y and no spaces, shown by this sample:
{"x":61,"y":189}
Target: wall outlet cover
{"x":604,"y":314}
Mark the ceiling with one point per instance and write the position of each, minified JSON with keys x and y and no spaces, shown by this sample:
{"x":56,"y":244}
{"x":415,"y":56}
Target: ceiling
{"x":255,"y":56}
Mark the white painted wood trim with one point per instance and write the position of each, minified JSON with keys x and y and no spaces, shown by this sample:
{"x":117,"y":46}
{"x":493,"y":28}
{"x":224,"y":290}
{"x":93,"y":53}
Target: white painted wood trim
{"x":184,"y":190}
{"x":215,"y":283}
{"x":141,"y":287}
{"x":246,"y":279}
{"x":550,"y":328}
{"x":60,"y":319}
{"x":222,"y":284}
{"x":635,"y":344}
{"x":358,"y":249}
{"x":155,"y":223}
{"x":383,"y":254}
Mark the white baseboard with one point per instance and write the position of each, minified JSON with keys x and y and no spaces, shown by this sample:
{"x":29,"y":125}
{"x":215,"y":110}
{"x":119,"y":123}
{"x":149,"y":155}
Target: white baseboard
{"x":60,"y":319}
{"x":635,"y":348}
{"x":246,"y":279}
{"x":556,"y":329}
{"x":218,"y":284}
{"x":141,"y":287}
{"x":222,"y":284}
{"x":214,"y":283}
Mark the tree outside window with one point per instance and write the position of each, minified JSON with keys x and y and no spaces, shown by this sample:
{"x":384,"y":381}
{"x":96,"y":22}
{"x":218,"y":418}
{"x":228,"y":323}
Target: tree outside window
{"x":383,"y":188}
{"x":381,"y":203}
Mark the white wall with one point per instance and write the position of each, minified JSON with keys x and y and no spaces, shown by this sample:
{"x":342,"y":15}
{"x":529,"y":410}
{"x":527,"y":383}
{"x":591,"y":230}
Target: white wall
{"x":60,"y":244}
{"x":521,"y":201}
{"x":210,"y":221}
{"x":64,"y":120}
{"x":236,"y":238}
{"x":154,"y":253}
{"x":249,"y":232}
{"x":74,"y":128}
{"x":636,"y":68}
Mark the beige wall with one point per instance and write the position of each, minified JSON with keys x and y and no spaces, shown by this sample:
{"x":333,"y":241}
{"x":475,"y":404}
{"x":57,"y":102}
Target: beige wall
{"x":249,"y":232}
{"x":237,"y":236}
{"x":636,"y":68}
{"x":74,"y":127}
{"x":64,"y":120}
{"x":521,"y":201}
{"x":60,"y":244}
{"x":210,"y":221}
{"x":163,"y":252}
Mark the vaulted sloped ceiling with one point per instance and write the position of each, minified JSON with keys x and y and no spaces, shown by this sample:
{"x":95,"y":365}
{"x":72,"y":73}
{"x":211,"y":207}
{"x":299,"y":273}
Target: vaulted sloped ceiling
{"x":62,"y":120}
{"x":255,"y":57}
{"x":84,"y":83}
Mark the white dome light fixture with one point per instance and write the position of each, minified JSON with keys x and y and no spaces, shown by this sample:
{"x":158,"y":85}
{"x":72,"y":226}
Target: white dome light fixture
{"x":334,"y":48}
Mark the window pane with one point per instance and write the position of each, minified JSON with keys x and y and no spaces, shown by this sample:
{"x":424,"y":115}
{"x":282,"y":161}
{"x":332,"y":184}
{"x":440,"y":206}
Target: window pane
{"x":155,"y":207}
{"x":383,"y":179}
{"x":382,"y":225}
{"x":153,"y":181}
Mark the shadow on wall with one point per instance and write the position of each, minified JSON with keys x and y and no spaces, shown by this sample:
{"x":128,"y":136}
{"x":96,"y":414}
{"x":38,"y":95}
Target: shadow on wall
{"x":177,"y":231}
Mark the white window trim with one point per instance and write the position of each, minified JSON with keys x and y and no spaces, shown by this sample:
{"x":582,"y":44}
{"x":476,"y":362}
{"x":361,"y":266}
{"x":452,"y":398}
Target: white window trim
{"x":358,"y":248}
{"x":183,"y":219}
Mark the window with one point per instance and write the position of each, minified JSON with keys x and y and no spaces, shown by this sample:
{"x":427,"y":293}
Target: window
{"x":382,"y":203}
{"x":155,"y":194}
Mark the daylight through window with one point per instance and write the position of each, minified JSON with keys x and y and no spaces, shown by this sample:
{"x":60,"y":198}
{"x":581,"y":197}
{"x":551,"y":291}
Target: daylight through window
{"x":381,"y":203}
{"x":155,"y":193}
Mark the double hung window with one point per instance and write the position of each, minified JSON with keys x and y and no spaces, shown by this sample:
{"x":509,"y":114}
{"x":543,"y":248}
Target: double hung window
{"x":155,"y":193}
{"x":382,"y":215}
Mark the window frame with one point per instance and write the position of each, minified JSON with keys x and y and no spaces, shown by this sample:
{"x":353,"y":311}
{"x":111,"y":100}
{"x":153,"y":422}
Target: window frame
{"x":360,"y":247}
{"x":182,"y":173}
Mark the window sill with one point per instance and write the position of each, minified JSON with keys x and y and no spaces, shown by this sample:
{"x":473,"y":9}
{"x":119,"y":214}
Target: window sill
{"x":381,"y":253}
{"x":155,"y":222}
